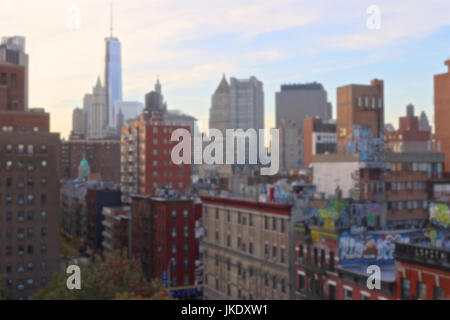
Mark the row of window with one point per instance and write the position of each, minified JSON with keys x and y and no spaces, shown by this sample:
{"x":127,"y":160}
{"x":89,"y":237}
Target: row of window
{"x":313,"y":257}
{"x":21,"y":216}
{"x":24,"y":149}
{"x":409,"y":205}
{"x":421,"y":291}
{"x":24,"y":268}
{"x":22,"y":182}
{"x":29,"y":283}
{"x":370,"y":102}
{"x":12,"y":128}
{"x":22,"y":200}
{"x":20,"y":165}
{"x":21,"y":249}
{"x":185,"y":232}
{"x":20,"y":234}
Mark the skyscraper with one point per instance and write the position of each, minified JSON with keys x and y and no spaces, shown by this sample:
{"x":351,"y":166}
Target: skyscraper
{"x":424,"y":124}
{"x":99,"y":116}
{"x":220,"y":107}
{"x":294,"y":103}
{"x":113,"y":75}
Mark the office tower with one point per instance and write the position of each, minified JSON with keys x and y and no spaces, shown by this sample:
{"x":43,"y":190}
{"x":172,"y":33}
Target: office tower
{"x":78,"y":123}
{"x":98,"y":120}
{"x":246,"y":249}
{"x":246,"y":104}
{"x":359,"y":106}
{"x":238,"y":105}
{"x":12,"y":50}
{"x":424,"y":124}
{"x":30,"y":226}
{"x":408,"y":138}
{"x":319,"y":137}
{"x":87,"y":109}
{"x":113,"y":75}
{"x":294,"y":103}
{"x":119,"y":122}
{"x":442,"y":114}
{"x":220,"y":107}
{"x":146,"y":163}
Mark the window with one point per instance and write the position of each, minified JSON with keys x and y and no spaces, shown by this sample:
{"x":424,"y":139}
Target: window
{"x":43,"y":231}
{"x":274,"y":224}
{"x":43,"y":216}
{"x":274,"y":252}
{"x":301,"y":283}
{"x":331,"y":261}
{"x":405,"y":289}
{"x":174,"y":214}
{"x":348,"y":293}
{"x":283,"y":226}
{"x":331,"y":292}
{"x":438,"y":293}
{"x":185,"y":214}
{"x":283,"y":255}
{"x":421,"y":291}
{"x":30,"y":149}
{"x":266,"y":223}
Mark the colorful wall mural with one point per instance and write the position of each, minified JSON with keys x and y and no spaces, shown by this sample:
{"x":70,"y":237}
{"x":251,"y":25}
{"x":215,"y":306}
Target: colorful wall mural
{"x":369,"y":248}
{"x":440,"y":214}
{"x":336,"y":212}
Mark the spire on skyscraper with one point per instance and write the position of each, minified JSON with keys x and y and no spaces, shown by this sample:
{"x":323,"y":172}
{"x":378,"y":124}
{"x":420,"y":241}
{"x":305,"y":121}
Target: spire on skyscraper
{"x":111,"y":26}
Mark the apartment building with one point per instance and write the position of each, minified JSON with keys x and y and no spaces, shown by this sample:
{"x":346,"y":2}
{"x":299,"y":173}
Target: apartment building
{"x":246,"y":249}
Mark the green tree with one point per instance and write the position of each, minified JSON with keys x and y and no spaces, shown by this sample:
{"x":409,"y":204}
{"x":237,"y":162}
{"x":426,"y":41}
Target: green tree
{"x":4,"y":291}
{"x":115,"y":277}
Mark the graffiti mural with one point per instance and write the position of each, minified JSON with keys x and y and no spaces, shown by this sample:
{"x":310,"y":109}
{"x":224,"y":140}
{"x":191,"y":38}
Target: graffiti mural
{"x":335,"y":213}
{"x":440,"y":215}
{"x":369,"y":248}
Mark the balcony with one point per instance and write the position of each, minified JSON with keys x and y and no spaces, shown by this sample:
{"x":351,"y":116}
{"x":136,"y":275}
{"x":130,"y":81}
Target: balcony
{"x":432,"y":257}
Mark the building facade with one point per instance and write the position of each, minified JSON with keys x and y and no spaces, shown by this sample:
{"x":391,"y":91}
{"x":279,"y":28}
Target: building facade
{"x":319,"y":137}
{"x":246,"y":250}
{"x":359,"y":106}
{"x":442,"y":114}
{"x":30,"y":211}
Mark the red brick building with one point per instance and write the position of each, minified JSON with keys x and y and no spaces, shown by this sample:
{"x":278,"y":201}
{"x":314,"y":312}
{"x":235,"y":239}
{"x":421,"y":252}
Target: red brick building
{"x":359,"y":105}
{"x":163,"y":237}
{"x":12,"y":87}
{"x":442,"y":113}
{"x":423,"y":272}
{"x":146,"y":163}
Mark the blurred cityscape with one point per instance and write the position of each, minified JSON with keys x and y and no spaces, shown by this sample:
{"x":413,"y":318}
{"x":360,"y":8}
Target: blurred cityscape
{"x":351,"y":192}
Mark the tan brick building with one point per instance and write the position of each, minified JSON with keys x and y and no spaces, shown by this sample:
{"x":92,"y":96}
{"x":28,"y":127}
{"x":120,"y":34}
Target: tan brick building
{"x":246,"y":249}
{"x":361,"y":105}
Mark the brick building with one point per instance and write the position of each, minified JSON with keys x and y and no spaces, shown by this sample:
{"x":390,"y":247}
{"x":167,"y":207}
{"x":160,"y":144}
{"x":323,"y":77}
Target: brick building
{"x":408,"y":137}
{"x":318,"y":137}
{"x":29,"y":209}
{"x":442,"y":114}
{"x":146,"y":163}
{"x":164,"y":238}
{"x":117,"y":229}
{"x":12,"y":87}
{"x":97,"y":198}
{"x":246,"y":250}
{"x":359,"y":105}
{"x":103,"y":156}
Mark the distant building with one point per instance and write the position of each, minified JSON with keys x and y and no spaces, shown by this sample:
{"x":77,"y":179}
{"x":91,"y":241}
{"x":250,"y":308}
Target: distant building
{"x":103,"y":156}
{"x":424,"y":124}
{"x":130,"y":109}
{"x":359,"y":105}
{"x":12,"y":51}
{"x":294,"y":103}
{"x":78,"y":123}
{"x":98,"y":113}
{"x":220,"y":107}
{"x":442,"y":114}
{"x":12,"y":87}
{"x":409,"y":137}
{"x":318,"y":137}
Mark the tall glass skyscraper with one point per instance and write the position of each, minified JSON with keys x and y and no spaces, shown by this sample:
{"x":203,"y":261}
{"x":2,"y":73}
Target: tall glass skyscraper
{"x":113,"y":77}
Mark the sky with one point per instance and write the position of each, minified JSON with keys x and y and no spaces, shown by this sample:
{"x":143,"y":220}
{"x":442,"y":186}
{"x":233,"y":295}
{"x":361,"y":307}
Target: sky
{"x":191,"y":43}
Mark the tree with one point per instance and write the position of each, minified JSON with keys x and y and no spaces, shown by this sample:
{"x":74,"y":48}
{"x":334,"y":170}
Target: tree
{"x":4,"y":291}
{"x":114,"y":277}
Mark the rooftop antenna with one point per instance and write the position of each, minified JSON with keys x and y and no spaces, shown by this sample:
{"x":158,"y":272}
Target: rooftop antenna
{"x":111,"y":27}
